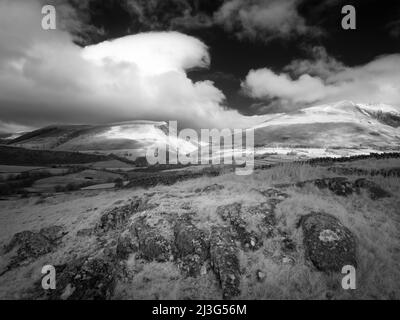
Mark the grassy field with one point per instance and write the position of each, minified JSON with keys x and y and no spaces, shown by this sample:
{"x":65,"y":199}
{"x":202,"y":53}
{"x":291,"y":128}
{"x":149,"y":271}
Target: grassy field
{"x":289,"y":274}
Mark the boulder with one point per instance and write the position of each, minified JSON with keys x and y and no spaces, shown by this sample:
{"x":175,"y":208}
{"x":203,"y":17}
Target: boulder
{"x":118,"y":217}
{"x":126,"y":244}
{"x":191,"y":247}
{"x":339,"y":186}
{"x":374,"y":191}
{"x":31,"y":245}
{"x":232,"y":213}
{"x":82,"y":279}
{"x":328,"y":243}
{"x":211,"y":188}
{"x":151,"y":244}
{"x":225,"y":262}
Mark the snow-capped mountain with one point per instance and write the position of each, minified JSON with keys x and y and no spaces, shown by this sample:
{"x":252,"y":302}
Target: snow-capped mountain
{"x":343,"y":125}
{"x":127,"y":139}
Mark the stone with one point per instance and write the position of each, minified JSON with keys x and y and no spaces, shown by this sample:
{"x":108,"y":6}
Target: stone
{"x":260,"y":275}
{"x":126,"y":245}
{"x":224,"y":261}
{"x":374,"y":191}
{"x":339,"y":186}
{"x":118,"y":217}
{"x":82,"y":279}
{"x":151,"y":244}
{"x":31,"y":245}
{"x":191,"y":246}
{"x":329,"y":245}
{"x":232,"y":213}
{"x":211,"y":188}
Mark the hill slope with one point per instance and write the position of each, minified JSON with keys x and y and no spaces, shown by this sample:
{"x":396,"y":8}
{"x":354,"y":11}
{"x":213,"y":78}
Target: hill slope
{"x":128,"y":139}
{"x":344,"y":125}
{"x":341,"y":125}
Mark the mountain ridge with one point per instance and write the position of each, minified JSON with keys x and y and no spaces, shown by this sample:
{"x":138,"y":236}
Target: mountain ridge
{"x":343,"y":124}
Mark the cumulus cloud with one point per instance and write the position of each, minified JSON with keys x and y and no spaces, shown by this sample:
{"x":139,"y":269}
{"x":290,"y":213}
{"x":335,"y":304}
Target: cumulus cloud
{"x":263,"y":19}
{"x":45,"y":77}
{"x":152,"y":53}
{"x":374,"y":82}
{"x":264,"y":83}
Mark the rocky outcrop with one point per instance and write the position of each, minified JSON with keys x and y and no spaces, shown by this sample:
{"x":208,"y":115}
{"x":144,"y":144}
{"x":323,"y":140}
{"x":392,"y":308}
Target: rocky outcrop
{"x":31,"y":245}
{"x":126,"y":244}
{"x":374,"y":191}
{"x":191,"y":247}
{"x":232,"y":213}
{"x":341,"y":186}
{"x":328,"y":244}
{"x":118,"y":217}
{"x":82,"y":279}
{"x":211,"y":188}
{"x":151,"y":244}
{"x":224,"y":261}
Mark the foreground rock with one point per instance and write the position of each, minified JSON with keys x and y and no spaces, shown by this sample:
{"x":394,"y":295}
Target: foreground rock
{"x":151,"y":244}
{"x":126,"y":244}
{"x":211,"y":188}
{"x":341,"y":186}
{"x":191,"y":247}
{"x":31,"y":245}
{"x":232,"y":213}
{"x":224,"y":261}
{"x":118,"y":217}
{"x":328,"y":244}
{"x":82,"y":279}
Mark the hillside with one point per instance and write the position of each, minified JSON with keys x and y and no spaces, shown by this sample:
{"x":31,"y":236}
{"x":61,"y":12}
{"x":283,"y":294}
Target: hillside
{"x":340,"y":125}
{"x":128,"y":139}
{"x":283,"y":233}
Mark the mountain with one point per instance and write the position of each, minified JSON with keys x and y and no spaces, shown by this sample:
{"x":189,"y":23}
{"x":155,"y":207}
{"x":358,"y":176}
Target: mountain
{"x":340,"y":125}
{"x":127,"y":139}
{"x":5,"y":138}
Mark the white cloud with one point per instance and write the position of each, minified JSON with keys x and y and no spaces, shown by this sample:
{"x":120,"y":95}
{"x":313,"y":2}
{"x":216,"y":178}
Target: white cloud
{"x":264,"y":83}
{"x":375,"y":82}
{"x":45,"y":77}
{"x":153,"y":53}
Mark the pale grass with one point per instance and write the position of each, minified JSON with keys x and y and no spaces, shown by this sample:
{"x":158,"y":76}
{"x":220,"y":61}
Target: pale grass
{"x":375,"y":224}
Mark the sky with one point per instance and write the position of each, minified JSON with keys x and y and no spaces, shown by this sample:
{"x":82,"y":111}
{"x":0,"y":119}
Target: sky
{"x":204,"y":63}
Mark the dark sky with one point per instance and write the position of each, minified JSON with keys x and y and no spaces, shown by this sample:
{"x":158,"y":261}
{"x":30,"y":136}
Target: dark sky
{"x":232,"y":57}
